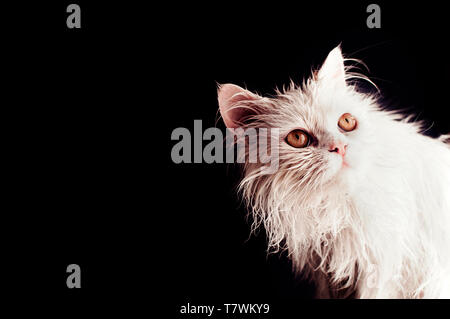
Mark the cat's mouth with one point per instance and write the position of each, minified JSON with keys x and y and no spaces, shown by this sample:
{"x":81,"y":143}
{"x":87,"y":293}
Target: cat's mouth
{"x":341,"y":158}
{"x":345,"y":163}
{"x":338,"y":164}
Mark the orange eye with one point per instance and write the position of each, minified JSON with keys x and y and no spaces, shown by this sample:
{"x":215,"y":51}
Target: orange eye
{"x":298,"y":139}
{"x":347,"y":122}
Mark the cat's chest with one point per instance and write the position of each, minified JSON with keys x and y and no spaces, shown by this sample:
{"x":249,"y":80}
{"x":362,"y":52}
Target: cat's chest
{"x":381,"y":202}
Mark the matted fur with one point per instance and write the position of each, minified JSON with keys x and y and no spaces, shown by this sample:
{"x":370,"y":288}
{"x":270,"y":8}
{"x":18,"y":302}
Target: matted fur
{"x":379,"y":228}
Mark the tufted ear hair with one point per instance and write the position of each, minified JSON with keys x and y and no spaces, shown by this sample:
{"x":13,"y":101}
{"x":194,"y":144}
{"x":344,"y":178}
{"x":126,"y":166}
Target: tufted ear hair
{"x":332,"y":71}
{"x":229,"y":96}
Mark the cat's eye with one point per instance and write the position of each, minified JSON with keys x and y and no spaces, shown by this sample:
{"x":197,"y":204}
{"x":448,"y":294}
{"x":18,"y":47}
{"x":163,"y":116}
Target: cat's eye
{"x":298,"y":138}
{"x":347,"y":122}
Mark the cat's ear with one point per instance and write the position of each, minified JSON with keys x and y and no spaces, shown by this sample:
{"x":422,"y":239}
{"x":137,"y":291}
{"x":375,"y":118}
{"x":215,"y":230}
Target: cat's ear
{"x":332,"y":71}
{"x":230,"y":97}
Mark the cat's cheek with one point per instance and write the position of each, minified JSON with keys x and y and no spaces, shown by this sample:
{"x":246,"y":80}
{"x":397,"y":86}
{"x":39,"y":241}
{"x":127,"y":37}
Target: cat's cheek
{"x":357,"y":153}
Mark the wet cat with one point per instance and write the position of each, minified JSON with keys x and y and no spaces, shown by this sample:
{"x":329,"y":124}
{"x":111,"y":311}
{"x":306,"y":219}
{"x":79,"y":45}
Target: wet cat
{"x":361,"y":199}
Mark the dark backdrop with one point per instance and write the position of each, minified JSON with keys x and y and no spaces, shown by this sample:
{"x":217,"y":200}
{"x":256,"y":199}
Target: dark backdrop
{"x":92,"y":111}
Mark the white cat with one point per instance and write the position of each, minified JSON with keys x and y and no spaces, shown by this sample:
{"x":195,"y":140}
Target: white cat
{"x":361,"y":199}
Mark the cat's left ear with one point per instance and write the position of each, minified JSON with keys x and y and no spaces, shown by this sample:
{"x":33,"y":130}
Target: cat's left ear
{"x":332,"y":71}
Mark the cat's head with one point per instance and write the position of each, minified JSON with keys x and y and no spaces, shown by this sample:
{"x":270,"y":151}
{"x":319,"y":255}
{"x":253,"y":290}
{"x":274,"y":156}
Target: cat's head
{"x":325,"y":136}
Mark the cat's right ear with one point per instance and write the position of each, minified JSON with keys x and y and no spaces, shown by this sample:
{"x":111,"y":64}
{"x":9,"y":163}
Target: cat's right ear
{"x":231,"y":104}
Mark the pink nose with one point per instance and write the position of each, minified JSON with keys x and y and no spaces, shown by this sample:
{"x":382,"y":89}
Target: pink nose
{"x":338,"y":147}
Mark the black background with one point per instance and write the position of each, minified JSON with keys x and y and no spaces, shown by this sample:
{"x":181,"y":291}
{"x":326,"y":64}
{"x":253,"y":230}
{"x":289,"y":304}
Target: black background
{"x":89,"y":114}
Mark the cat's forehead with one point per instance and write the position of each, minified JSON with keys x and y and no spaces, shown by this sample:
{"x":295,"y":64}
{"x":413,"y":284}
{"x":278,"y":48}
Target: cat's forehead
{"x":312,"y":109}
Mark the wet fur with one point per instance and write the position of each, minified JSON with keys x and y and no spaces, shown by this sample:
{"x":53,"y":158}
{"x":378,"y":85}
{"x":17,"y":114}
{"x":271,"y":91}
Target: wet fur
{"x":378,"y":229}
